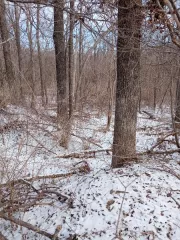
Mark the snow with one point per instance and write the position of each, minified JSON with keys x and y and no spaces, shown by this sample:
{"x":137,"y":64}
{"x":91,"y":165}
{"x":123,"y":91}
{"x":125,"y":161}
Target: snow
{"x":140,"y":195}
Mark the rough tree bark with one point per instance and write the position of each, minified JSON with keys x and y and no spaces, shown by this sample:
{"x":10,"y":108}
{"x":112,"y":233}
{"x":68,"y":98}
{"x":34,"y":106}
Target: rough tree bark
{"x":59,"y":44}
{"x":177,"y":108}
{"x":18,"y":45}
{"x":79,"y":81}
{"x":128,"y":74}
{"x":71,"y":28}
{"x":60,"y":58}
{"x":6,"y":51}
{"x":43,"y":87}
{"x":31,"y":61}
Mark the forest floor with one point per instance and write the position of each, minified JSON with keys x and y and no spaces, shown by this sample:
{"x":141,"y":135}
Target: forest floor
{"x":84,"y":195}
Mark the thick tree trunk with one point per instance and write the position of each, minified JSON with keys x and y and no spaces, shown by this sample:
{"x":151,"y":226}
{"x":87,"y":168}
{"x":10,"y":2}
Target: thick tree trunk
{"x":6,"y":51}
{"x":59,"y":44}
{"x":128,"y":74}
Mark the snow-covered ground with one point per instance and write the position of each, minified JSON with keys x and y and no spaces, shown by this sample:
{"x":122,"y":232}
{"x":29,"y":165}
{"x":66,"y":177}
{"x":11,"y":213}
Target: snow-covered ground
{"x":139,"y":201}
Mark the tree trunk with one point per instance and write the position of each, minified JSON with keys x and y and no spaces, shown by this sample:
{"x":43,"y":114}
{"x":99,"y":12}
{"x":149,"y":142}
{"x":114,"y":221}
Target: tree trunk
{"x":78,"y":91}
{"x":155,"y":97}
{"x":110,"y":104}
{"x":177,"y":110}
{"x":10,"y":77}
{"x":18,"y":45}
{"x":59,"y":44}
{"x":31,"y":62}
{"x":43,"y":87}
{"x":128,"y":74}
{"x":60,"y":59}
{"x":71,"y":28}
{"x":140,"y":98}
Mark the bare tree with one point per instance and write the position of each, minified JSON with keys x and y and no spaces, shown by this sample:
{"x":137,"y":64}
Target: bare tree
{"x":6,"y":51}
{"x":78,"y":86}
{"x":71,"y":28}
{"x":18,"y":45}
{"x":43,"y":87}
{"x":29,"y":27}
{"x":167,"y":12}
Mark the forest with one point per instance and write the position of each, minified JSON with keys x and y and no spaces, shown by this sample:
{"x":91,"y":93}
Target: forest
{"x":89,"y":119}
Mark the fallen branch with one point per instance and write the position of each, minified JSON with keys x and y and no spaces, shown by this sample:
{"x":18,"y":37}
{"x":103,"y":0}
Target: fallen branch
{"x":13,"y":182}
{"x":30,"y":226}
{"x":161,"y":152}
{"x":92,"y":153}
{"x":86,"y":154}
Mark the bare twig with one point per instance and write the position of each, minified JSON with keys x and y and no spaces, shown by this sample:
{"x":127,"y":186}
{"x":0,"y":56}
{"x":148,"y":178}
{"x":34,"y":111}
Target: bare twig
{"x":87,"y":140}
{"x":176,"y":201}
{"x":151,"y":116}
{"x":161,"y":141}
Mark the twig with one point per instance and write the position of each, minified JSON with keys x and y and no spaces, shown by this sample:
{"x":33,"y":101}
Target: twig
{"x":30,"y":184}
{"x":44,"y":191}
{"x":56,"y":193}
{"x":119,"y":215}
{"x":170,"y":171}
{"x":87,"y":140}
{"x":9,"y":39}
{"x":176,"y":201}
{"x":42,"y":145}
{"x":161,"y":141}
{"x":151,"y":116}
